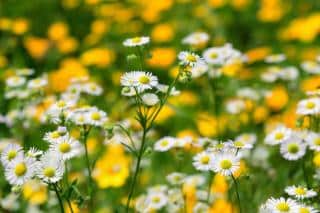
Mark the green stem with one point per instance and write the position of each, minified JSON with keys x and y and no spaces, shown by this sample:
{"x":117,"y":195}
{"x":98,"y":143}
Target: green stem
{"x":59,"y":197}
{"x":209,"y":186}
{"x":137,"y":169}
{"x":68,"y":185}
{"x":237,"y":192}
{"x":84,"y":136}
{"x":306,"y":180}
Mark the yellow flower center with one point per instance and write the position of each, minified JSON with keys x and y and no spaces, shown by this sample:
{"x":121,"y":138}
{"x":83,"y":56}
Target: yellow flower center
{"x":20,"y":169}
{"x":61,"y":104}
{"x":283,"y":207}
{"x":278,"y":136}
{"x":155,"y":199}
{"x":303,"y":210}
{"x":136,"y":40}
{"x":300,"y":191}
{"x":213,"y":55}
{"x":55,"y":135}
{"x":64,"y":147}
{"x":310,"y":105}
{"x":191,"y":58}
{"x":205,"y":160}
{"x":49,"y":172}
{"x":144,"y":79}
{"x":293,"y":148}
{"x":317,"y":141}
{"x":96,"y":116}
{"x":225,"y":164}
{"x":12,"y":154}
{"x":164,"y":143}
{"x":238,"y":144}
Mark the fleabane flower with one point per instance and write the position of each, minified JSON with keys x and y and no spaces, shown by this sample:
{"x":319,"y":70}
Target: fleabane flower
{"x":302,"y":208}
{"x":313,"y":140}
{"x":275,"y":58}
{"x":50,"y":169}
{"x":20,"y":170}
{"x":311,"y":67}
{"x":156,"y":200}
{"x":293,"y":149}
{"x":150,"y":99}
{"x":225,"y":164}
{"x":196,"y":39}
{"x":279,"y":135}
{"x":300,"y":192}
{"x":11,"y":152}
{"x":67,"y":148}
{"x":140,"y":80}
{"x":96,"y":117}
{"x":189,"y":59}
{"x":136,"y":41}
{"x":37,"y":83}
{"x":92,"y":88}
{"x":15,"y":81}
{"x":310,"y":106}
{"x":164,"y":144}
{"x":203,"y":161}
{"x":176,"y":178}
{"x":281,"y":205}
{"x":56,"y":135}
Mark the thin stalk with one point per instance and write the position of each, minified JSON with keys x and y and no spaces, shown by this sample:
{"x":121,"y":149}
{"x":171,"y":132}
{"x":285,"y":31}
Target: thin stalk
{"x":84,"y":136}
{"x":237,"y":192}
{"x":209,"y":186}
{"x":306,"y":180}
{"x":59,"y":197}
{"x":137,"y":169}
{"x":68,"y":185}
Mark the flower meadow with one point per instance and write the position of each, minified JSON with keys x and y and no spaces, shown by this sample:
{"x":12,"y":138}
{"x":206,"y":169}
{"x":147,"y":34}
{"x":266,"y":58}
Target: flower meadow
{"x":179,"y":106}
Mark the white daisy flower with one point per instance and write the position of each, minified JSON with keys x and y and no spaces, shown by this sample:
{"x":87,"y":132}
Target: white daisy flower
{"x":199,"y":69}
{"x":150,"y":99}
{"x":281,"y":205}
{"x":279,"y":135}
{"x":196,"y":38}
{"x":136,"y":41}
{"x":195,"y":180}
{"x":293,"y":149}
{"x":34,"y":152}
{"x":311,"y":67}
{"x":313,"y":140}
{"x":140,"y":80}
{"x":156,"y":201}
{"x":92,"y":89}
{"x":225,"y":164}
{"x":189,"y":59}
{"x":11,"y":152}
{"x":302,"y":208}
{"x":201,"y":208}
{"x":78,"y":117}
{"x":300,"y":192}
{"x":203,"y":161}
{"x":176,"y":178}
{"x":15,"y":81}
{"x":214,"y":56}
{"x":164,"y":144}
{"x":164,"y":89}
{"x":239,"y":144}
{"x":235,"y":106}
{"x":20,"y":170}
{"x":276,"y":58}
{"x":310,"y":106}
{"x":37,"y":83}
{"x":248,"y":93}
{"x":25,"y":72}
{"x":51,"y":167}
{"x":96,"y":117}
{"x":54,"y":136}
{"x":289,"y":73}
{"x":67,"y":148}
{"x":247,"y":138}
